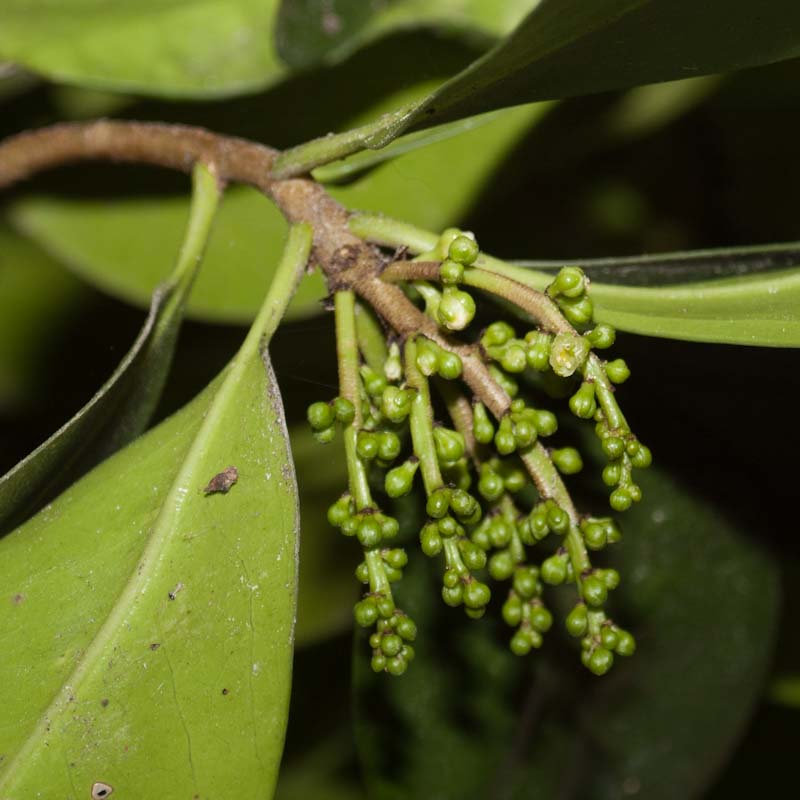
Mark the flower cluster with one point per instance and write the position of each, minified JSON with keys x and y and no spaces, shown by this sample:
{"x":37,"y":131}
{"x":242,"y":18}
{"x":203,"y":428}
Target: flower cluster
{"x":479,"y":469}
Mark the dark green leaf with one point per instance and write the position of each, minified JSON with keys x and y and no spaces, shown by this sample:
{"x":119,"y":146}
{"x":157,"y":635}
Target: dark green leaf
{"x":570,"y":47}
{"x":470,"y":719}
{"x":122,"y":407}
{"x":148,"y":623}
{"x":170,"y":48}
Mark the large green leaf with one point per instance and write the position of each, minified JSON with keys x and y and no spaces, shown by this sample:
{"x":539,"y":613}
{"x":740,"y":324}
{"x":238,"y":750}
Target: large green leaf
{"x":122,"y":407}
{"x":101,"y":240}
{"x":471,"y":720}
{"x":309,"y":31}
{"x":148,"y":636}
{"x":173,"y":48}
{"x":570,"y":47}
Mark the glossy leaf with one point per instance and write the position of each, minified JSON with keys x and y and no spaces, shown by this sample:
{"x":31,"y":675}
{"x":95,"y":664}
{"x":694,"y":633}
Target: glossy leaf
{"x":310,"y":31}
{"x":565,"y":48}
{"x":207,"y":48}
{"x":760,"y":309}
{"x":434,"y":186}
{"x":470,"y":719}
{"x":122,"y":407}
{"x":163,"y":667}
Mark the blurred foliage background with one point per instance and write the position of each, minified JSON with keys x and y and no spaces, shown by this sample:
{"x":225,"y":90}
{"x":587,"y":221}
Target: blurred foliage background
{"x":696,"y":164}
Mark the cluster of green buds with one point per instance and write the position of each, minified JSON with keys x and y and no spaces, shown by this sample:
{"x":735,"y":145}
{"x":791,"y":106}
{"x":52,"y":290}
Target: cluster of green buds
{"x":478,"y":473}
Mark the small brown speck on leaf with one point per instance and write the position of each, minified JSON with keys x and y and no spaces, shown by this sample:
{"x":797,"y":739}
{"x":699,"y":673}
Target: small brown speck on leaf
{"x":18,"y":599}
{"x":222,"y":481}
{"x":104,"y":702}
{"x":225,"y":691}
{"x":155,"y":646}
{"x":178,"y":587}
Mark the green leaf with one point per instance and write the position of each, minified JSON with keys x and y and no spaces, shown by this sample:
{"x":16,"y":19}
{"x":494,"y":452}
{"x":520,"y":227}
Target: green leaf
{"x":565,"y":48}
{"x":310,"y":31}
{"x":434,"y":186}
{"x":122,"y":407}
{"x":169,"y":48}
{"x":158,"y":619}
{"x":36,"y":298}
{"x":470,"y":720}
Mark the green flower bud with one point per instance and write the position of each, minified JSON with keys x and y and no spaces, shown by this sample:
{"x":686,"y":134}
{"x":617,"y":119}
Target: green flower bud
{"x":626,"y":644}
{"x":557,"y":519}
{"x":388,"y":446}
{"x":396,"y":558}
{"x":391,"y":645}
{"x":375,"y":640}
{"x":608,"y":637}
{"x":438,"y":503}
{"x":320,"y":416}
{"x":453,"y":596}
{"x":440,"y":253}
{"x":567,"y":460}
{"x":617,"y":371}
{"x":602,"y":336}
{"x":594,"y":534}
{"x":378,"y":663}
{"x":594,"y":591}
{"x":464,"y":250}
{"x":538,"y":524}
{"x":582,"y":403}
{"x":448,"y":526}
{"x":554,"y":570}
{"x":579,"y":311}
{"x":340,"y":511}
{"x":366,"y":612}
{"x":504,"y":440}
{"x":393,"y":366}
{"x":541,"y":619}
{"x":643,"y":458}
{"x":500,"y":532}
{"x":482,"y":427}
{"x":398,"y":481}
{"x":613,"y":447}
{"x":545,"y":422}
{"x":406,"y":628}
{"x":456,"y":309}
{"x":463,"y":504}
{"x":427,"y":356}
{"x":430,"y":540}
{"x":473,"y":556}
{"x":570,"y":282}
{"x":497,"y":334}
{"x":450,"y":365}
{"x":385,"y":606}
{"x":451,"y":272}
{"x":343,"y":410}
{"x":369,"y":532}
{"x":450,"y":445}
{"x":396,"y":666}
{"x":362,"y":572}
{"x":367,"y":445}
{"x":601,"y":661}
{"x":526,"y":582}
{"x":539,"y":347}
{"x":350,"y":526}
{"x":396,"y":403}
{"x":374,"y":384}
{"x":610,"y":577}
{"x":634,"y":490}
{"x":326,"y":436}
{"x":520,"y":644}
{"x":390,"y":527}
{"x":612,"y":473}
{"x":490,"y":485}
{"x":525,"y":433}
{"x":476,"y":594}
{"x":512,"y":610}
{"x":568,"y":354}
{"x":620,"y":499}
{"x":577,"y":621}
{"x":501,"y":565}
{"x":514,"y":359}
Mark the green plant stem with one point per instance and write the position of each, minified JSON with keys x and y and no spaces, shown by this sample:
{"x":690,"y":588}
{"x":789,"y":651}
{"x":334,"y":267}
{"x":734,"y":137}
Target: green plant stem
{"x":349,"y":388}
{"x":378,"y":582}
{"x":389,"y":232}
{"x":302,"y":159}
{"x":421,"y":421}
